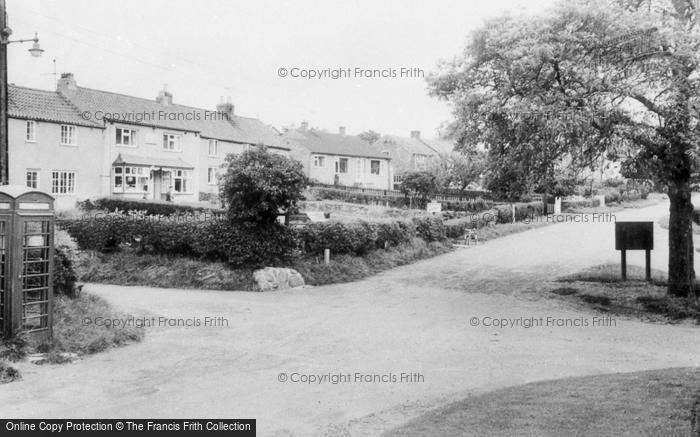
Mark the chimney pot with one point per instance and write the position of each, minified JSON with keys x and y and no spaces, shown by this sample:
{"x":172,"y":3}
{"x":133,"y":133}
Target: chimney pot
{"x":66,"y":82}
{"x":227,"y":109}
{"x":415,"y":134}
{"x":165,"y":98}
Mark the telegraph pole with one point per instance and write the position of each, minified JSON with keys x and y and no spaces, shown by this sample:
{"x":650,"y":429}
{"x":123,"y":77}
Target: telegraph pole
{"x":4,"y":34}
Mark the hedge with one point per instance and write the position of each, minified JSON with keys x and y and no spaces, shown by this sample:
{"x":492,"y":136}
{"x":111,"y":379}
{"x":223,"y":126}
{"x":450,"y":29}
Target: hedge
{"x":472,"y":205}
{"x":212,"y":239}
{"x":244,"y":246}
{"x":150,"y":207}
{"x":456,"y":228}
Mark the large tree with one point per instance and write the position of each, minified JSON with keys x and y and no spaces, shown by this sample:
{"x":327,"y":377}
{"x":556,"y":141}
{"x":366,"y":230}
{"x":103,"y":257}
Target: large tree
{"x":555,"y":93}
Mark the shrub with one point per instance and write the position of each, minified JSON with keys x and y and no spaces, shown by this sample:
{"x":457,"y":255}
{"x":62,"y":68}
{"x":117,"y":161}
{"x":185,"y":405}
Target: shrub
{"x":351,"y":238}
{"x":395,"y":233}
{"x":64,"y":276}
{"x":567,"y":205}
{"x":258,"y":185}
{"x":612,"y":196}
{"x":696,"y":216}
{"x":430,"y":228}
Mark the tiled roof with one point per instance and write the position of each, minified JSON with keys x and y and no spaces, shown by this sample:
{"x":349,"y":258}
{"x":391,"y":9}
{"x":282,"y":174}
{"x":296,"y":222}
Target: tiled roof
{"x":413,"y":146}
{"x":33,"y":104}
{"x":332,"y":144}
{"x":441,"y":146}
{"x":140,"y":111}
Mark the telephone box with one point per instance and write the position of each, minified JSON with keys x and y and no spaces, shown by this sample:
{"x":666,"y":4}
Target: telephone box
{"x":26,"y":261}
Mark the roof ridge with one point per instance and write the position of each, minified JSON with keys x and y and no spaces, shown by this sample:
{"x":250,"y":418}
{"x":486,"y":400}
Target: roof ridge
{"x":12,"y":85}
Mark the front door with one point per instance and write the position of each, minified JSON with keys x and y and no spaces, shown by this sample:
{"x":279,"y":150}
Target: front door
{"x":157,"y":183}
{"x":161,"y":184}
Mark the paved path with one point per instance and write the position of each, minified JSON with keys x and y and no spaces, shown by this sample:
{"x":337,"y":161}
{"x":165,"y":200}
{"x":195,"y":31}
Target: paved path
{"x":410,"y":319}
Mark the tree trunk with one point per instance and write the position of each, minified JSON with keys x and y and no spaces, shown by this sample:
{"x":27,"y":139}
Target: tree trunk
{"x":681,"y":270}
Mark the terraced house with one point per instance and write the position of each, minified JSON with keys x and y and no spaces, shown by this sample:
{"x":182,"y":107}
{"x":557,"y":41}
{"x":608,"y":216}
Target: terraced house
{"x":79,"y":143}
{"x":339,"y":159}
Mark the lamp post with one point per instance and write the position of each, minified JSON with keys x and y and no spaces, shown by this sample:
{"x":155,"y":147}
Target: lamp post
{"x":36,"y":51}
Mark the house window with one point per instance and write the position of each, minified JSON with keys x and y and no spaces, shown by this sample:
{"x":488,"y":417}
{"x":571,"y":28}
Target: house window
{"x":125,"y":137}
{"x":375,"y":166}
{"x":341,"y":165}
{"x":182,"y":181}
{"x":68,"y":135}
{"x":31,"y":131}
{"x":420,"y":161}
{"x":171,"y":142}
{"x":130,"y":180}
{"x":213,"y":148}
{"x":212,"y":177}
{"x":33,"y":178}
{"x":319,"y":161}
{"x":62,"y":182}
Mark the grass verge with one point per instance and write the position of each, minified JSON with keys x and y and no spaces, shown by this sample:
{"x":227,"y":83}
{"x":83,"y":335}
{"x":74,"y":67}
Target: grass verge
{"x":74,"y":334}
{"x":649,"y":403}
{"x":75,"y":331}
{"x":601,"y":288}
{"x":130,"y":268}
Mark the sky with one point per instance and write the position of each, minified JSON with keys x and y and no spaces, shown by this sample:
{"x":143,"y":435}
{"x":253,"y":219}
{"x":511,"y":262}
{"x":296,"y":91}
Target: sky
{"x":256,"y":52}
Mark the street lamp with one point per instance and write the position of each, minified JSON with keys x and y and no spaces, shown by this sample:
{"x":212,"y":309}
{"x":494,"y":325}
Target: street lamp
{"x":36,"y":51}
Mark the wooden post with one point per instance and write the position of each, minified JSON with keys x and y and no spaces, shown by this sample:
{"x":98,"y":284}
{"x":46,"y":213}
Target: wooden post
{"x":513,"y":208}
{"x":648,"y":265}
{"x":327,"y":256}
{"x":623,"y":264}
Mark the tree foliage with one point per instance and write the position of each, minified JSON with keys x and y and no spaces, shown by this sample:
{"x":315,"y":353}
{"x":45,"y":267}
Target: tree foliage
{"x":457,"y":170}
{"x":370,"y":136}
{"x":259,"y":185}
{"x":418,"y":185}
{"x":553,"y":94}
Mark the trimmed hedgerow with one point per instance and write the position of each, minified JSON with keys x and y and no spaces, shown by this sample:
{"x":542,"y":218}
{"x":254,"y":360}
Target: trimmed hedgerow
{"x":430,"y":228}
{"x":220,"y":240}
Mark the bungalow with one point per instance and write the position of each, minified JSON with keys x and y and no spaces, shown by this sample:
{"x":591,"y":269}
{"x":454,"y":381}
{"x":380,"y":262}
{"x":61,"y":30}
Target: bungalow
{"x":88,"y":143}
{"x":339,"y":159}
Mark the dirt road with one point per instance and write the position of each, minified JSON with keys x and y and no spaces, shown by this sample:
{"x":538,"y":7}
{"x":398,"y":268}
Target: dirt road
{"x":415,"y":320}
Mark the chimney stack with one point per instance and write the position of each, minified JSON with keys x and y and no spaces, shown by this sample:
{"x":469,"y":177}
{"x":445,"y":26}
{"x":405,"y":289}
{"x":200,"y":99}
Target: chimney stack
{"x":415,"y":134}
{"x":341,"y":130}
{"x":66,"y":82}
{"x":304,"y":126}
{"x":164,"y":97}
{"x":227,"y":108}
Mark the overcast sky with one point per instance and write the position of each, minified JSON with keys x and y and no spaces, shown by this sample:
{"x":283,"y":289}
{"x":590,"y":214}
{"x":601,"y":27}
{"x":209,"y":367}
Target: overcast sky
{"x":208,"y":49}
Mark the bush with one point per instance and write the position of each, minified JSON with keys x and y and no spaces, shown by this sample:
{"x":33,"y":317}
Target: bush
{"x":696,"y":216}
{"x":395,"y":233}
{"x":612,"y":196}
{"x":258,"y":185}
{"x":430,"y":228}
{"x":64,"y":276}
{"x":568,"y":205}
{"x":351,"y":238}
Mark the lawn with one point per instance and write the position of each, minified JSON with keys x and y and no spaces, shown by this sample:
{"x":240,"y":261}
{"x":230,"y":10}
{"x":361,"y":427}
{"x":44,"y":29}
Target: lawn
{"x":651,"y":403}
{"x":601,"y":288}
